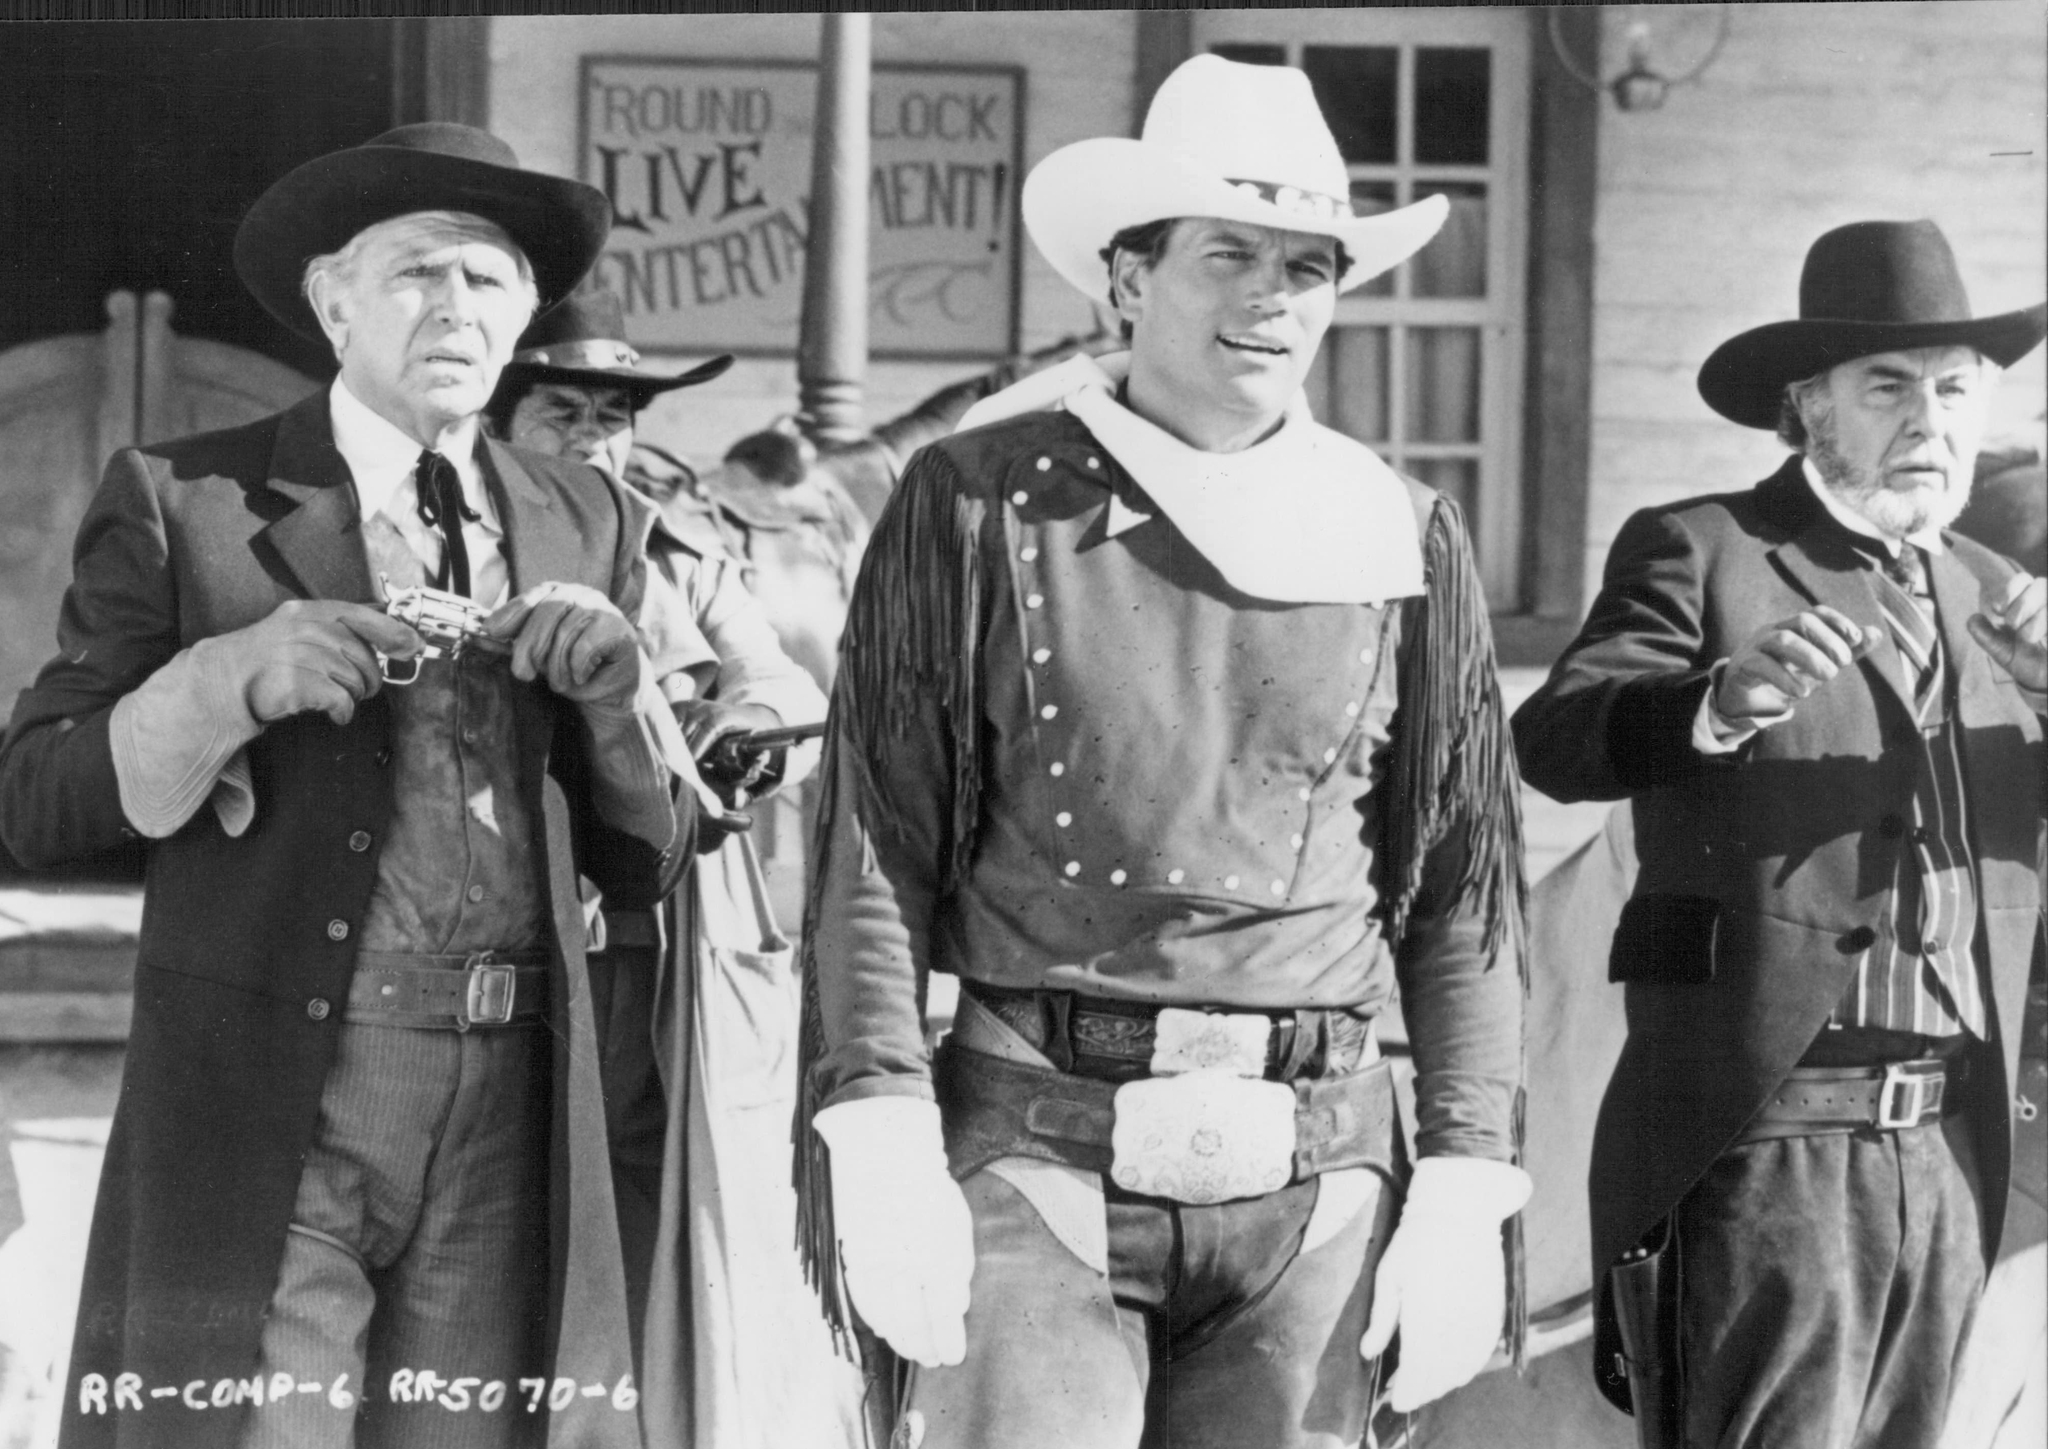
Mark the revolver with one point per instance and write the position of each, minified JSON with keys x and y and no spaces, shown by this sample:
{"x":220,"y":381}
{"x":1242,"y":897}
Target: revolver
{"x":449,"y":623}
{"x":745,"y":758}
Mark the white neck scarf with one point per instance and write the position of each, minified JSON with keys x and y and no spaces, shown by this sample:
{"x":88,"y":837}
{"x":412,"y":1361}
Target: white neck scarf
{"x":1308,"y":516}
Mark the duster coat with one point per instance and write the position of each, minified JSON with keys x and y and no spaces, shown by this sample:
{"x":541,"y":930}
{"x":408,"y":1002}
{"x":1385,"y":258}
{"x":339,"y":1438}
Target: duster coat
{"x":1764,"y":872}
{"x":247,"y":944}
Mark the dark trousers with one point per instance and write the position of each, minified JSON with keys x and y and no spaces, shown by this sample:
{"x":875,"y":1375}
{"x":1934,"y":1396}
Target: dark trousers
{"x":1827,"y":1288}
{"x":416,"y":1267}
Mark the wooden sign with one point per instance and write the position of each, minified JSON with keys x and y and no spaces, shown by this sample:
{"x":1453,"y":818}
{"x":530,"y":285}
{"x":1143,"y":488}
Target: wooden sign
{"x":707,"y":164}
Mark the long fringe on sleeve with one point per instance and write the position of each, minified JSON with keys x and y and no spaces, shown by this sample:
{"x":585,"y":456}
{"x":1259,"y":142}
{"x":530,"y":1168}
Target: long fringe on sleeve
{"x":1453,"y":761}
{"x":909,"y":647}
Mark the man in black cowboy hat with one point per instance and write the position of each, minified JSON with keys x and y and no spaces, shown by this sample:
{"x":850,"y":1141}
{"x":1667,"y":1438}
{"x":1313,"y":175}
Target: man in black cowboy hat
{"x":361,"y":1078}
{"x":574,"y":389}
{"x":1825,"y":707}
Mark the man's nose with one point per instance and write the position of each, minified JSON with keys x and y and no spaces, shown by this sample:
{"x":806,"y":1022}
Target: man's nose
{"x":453,"y":298}
{"x":1920,"y":408}
{"x":1268,"y":288}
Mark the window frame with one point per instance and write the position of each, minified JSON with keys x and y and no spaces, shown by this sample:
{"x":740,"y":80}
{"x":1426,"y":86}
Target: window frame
{"x":1502,"y":315}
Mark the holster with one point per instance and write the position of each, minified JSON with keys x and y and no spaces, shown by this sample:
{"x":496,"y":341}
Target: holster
{"x":1644,"y":1287}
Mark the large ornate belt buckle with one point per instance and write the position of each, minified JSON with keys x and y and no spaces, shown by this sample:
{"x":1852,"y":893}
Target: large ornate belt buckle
{"x":1202,"y":1137}
{"x":1195,"y":1041}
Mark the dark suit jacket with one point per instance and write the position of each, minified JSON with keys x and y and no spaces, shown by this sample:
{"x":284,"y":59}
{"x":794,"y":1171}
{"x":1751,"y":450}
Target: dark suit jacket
{"x":247,"y":945}
{"x":1764,"y":872}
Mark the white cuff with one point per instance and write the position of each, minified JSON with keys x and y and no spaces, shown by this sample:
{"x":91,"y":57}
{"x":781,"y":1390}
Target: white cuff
{"x":1713,"y":733}
{"x":174,"y":737}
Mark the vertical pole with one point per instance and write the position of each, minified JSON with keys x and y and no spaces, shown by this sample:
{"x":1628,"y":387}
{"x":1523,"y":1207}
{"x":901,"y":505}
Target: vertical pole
{"x":832,"y":345}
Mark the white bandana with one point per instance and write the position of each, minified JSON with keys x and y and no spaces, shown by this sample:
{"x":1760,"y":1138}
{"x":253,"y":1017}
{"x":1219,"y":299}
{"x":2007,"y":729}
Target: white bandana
{"x":1308,"y":516}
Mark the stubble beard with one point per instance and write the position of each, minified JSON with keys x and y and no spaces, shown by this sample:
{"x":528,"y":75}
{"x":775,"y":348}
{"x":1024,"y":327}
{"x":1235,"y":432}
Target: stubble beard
{"x":1895,"y":513}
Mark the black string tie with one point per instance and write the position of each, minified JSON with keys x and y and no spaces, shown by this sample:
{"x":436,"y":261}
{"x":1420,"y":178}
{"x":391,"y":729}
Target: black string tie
{"x":441,"y":506}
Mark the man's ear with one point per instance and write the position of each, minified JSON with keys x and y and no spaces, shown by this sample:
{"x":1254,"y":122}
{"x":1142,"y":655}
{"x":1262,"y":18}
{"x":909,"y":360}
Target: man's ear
{"x":1128,"y":276}
{"x":329,"y":309}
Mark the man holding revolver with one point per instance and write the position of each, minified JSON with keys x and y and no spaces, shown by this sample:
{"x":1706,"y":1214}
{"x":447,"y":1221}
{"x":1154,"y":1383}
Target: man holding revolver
{"x":360,"y":1114}
{"x":1826,"y":710}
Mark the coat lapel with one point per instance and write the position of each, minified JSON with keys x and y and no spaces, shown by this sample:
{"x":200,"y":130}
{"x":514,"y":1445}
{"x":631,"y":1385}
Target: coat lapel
{"x":1956,"y":597}
{"x":1829,"y":571}
{"x":540,"y":542}
{"x":319,"y":540}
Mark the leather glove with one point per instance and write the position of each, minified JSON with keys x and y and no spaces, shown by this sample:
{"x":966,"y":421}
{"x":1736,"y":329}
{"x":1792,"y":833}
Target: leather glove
{"x":707,"y":721}
{"x":306,"y":654}
{"x":1442,"y":1280}
{"x":576,"y":640}
{"x":906,"y":1238}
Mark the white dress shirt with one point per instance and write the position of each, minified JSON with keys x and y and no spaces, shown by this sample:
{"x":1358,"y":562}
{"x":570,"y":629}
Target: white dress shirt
{"x":382,"y":459}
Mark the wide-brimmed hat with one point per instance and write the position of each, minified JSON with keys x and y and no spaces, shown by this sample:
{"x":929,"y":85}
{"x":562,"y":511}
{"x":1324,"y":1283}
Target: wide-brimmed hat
{"x":1871,"y":286}
{"x":583,"y":343}
{"x":1241,"y":142}
{"x":316,"y":208}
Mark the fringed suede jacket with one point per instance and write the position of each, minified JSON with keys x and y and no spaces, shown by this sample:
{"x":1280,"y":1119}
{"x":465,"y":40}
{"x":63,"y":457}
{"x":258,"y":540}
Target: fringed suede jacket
{"x":1066,"y":753}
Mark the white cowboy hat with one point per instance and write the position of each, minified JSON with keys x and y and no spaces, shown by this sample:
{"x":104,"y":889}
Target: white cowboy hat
{"x":1241,"y":142}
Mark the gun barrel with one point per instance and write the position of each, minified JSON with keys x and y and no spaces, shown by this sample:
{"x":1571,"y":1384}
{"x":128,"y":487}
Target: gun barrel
{"x":755,"y":741}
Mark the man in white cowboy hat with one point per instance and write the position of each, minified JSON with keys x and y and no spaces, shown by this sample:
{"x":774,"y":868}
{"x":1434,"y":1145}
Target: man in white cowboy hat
{"x":356,"y":1187}
{"x":1825,"y":707}
{"x":1167,"y":721}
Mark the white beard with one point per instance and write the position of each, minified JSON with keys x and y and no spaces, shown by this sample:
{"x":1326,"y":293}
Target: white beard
{"x":1893,"y":512}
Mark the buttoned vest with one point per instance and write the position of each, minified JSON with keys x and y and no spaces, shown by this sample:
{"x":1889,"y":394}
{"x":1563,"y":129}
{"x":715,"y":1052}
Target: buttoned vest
{"x":461,"y":867}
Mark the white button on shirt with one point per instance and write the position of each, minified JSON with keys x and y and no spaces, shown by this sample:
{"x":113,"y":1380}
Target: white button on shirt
{"x":381,"y":460}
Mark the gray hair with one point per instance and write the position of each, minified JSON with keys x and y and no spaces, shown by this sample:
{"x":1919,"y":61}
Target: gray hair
{"x":339,"y":267}
{"x":1791,"y":421}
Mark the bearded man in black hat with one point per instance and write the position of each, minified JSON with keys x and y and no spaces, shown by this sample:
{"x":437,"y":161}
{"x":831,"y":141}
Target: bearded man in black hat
{"x":1825,"y":707}
{"x":356,"y":1188}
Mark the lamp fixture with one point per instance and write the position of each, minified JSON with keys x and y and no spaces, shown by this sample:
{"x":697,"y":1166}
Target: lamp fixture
{"x":1641,"y":87}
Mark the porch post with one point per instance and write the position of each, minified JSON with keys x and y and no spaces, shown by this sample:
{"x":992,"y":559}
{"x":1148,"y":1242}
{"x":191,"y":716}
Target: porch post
{"x":832,"y":344}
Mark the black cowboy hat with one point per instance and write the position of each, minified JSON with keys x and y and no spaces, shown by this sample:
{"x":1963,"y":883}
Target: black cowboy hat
{"x":316,"y":208}
{"x":583,"y":343}
{"x":1871,"y":286}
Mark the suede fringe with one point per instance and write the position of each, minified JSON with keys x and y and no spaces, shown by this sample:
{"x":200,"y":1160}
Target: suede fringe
{"x":1454,"y":760}
{"x":911,"y":634}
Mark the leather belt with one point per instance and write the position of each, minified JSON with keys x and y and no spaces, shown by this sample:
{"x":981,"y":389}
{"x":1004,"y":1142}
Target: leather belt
{"x":1887,"y":1098}
{"x":995,"y":1108}
{"x":1111,"y":1040}
{"x":480,"y":988}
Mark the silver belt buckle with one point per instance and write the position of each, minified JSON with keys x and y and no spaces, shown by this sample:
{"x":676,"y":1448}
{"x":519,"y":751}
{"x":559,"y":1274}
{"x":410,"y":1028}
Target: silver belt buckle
{"x":1909,"y":1092}
{"x":492,"y":987}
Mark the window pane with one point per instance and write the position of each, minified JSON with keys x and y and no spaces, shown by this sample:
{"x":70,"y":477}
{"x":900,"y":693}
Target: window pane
{"x":1451,"y":112}
{"x":1357,"y":87}
{"x":1458,"y":477}
{"x":1443,"y":385}
{"x":1453,"y":264}
{"x":1356,"y":401}
{"x":1370,"y":198}
{"x":1250,"y":54}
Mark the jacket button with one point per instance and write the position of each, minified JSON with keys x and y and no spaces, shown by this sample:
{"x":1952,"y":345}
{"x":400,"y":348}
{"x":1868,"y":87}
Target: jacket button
{"x":337,"y":930}
{"x":383,"y":756}
{"x":1891,"y":826}
{"x":359,"y":842}
{"x":1862,"y":938}
{"x":318,"y":1008}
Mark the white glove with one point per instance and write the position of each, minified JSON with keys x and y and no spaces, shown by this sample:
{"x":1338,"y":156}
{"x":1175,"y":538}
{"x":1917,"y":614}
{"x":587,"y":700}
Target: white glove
{"x":1442,"y":1281}
{"x":906,"y":1238}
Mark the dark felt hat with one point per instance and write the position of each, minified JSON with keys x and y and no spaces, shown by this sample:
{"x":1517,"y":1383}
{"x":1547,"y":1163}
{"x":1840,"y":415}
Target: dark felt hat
{"x":583,"y":343}
{"x":1871,"y":286}
{"x":316,"y":208}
